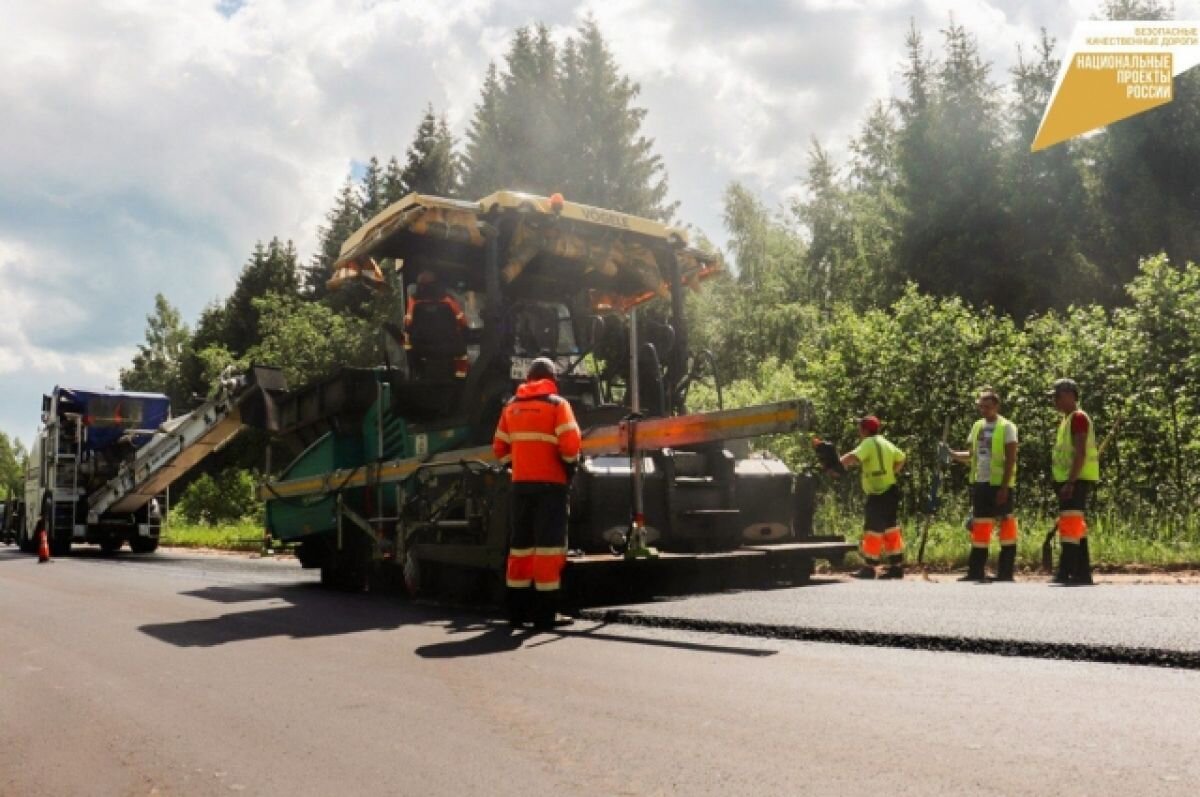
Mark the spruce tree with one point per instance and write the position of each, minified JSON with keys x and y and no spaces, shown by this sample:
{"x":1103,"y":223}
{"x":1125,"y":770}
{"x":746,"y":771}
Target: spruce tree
{"x":564,"y":121}
{"x":432,"y":166}
{"x":613,"y":164}
{"x":372,"y":198}
{"x":917,"y":159}
{"x":484,"y":156}
{"x":271,"y":269}
{"x":393,"y":181}
{"x":340,"y":223}
{"x":1048,"y":214}
{"x":873,"y":165}
{"x":157,"y":366}
{"x":951,"y":228}
{"x":824,"y":214}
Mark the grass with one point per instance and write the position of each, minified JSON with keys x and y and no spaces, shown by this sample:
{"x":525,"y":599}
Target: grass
{"x":246,"y":535}
{"x":1150,"y":538}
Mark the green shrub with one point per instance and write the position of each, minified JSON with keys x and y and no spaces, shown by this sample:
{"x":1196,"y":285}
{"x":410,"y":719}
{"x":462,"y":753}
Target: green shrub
{"x":227,"y":498}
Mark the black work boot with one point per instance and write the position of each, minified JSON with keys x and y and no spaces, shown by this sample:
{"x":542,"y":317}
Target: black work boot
{"x":1082,"y":574}
{"x":1007,"y":563}
{"x":895,"y":567}
{"x":517,"y":605}
{"x":866,"y":572}
{"x":545,"y":609}
{"x":976,"y":565}
{"x":1067,"y":556}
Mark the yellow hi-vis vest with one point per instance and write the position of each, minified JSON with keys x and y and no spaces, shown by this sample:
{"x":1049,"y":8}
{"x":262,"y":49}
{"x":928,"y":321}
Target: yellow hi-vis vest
{"x":1064,"y":452}
{"x":998,"y":434}
{"x":878,"y":458}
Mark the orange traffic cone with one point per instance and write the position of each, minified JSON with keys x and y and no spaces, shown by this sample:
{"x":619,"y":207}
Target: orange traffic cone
{"x":43,"y":547}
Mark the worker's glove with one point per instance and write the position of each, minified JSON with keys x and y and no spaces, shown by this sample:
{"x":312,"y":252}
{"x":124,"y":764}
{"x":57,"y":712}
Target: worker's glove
{"x":827,"y":455}
{"x":570,"y":468}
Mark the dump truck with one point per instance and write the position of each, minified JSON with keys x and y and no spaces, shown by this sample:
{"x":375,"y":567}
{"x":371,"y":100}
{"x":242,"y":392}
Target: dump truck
{"x":102,"y":461}
{"x":390,"y":475}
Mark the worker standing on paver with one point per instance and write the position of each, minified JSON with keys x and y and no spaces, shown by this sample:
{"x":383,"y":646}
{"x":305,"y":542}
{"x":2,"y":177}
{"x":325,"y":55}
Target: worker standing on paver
{"x":1075,"y":466}
{"x":881,"y":462}
{"x":434,"y":323}
{"x":992,"y":454}
{"x":538,"y":435}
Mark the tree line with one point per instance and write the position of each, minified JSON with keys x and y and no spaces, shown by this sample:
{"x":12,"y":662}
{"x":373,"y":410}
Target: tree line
{"x":939,"y":255}
{"x":919,"y":362}
{"x":944,"y":256}
{"x":940,"y":188}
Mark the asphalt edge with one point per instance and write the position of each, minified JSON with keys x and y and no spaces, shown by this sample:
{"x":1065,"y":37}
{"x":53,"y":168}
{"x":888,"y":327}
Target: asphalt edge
{"x":1103,"y":654}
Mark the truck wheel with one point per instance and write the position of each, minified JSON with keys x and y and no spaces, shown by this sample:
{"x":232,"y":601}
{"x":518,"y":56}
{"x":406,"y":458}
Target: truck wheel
{"x":111,"y":546}
{"x":60,"y":547}
{"x":143,"y":544}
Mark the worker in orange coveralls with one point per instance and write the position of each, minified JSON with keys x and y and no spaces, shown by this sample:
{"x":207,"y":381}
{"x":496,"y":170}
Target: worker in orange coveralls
{"x":427,"y":337}
{"x":538,"y":435}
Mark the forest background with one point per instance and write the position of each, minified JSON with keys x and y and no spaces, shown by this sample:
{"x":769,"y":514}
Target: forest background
{"x":939,"y":256}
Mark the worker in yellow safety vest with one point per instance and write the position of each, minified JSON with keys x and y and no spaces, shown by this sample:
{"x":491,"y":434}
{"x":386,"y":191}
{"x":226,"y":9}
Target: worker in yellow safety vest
{"x":1075,"y":467}
{"x":881,"y":462}
{"x":992,"y":454}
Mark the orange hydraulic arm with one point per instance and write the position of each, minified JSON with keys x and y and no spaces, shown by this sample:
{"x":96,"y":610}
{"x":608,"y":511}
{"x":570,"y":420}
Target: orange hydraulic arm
{"x":648,"y":435}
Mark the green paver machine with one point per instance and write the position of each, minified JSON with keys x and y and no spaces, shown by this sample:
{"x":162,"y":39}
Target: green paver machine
{"x":393,"y":476}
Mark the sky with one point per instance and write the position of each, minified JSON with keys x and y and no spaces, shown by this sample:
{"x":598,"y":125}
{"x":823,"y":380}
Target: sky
{"x":147,"y":145}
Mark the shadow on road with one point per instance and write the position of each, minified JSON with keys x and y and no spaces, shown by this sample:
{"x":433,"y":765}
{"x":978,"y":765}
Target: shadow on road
{"x":493,"y":636}
{"x":310,"y":612}
{"x":253,"y":592}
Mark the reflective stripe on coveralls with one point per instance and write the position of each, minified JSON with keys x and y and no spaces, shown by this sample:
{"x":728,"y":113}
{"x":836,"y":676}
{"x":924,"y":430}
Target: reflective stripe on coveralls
{"x":982,"y":527}
{"x":872,"y":546}
{"x":538,"y":430}
{"x":893,"y":541}
{"x":519,"y":572}
{"x":1072,"y":526}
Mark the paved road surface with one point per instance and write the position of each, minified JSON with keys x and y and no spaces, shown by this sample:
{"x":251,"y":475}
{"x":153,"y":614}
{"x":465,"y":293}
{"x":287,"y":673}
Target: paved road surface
{"x":1160,"y":617}
{"x":195,"y":675}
